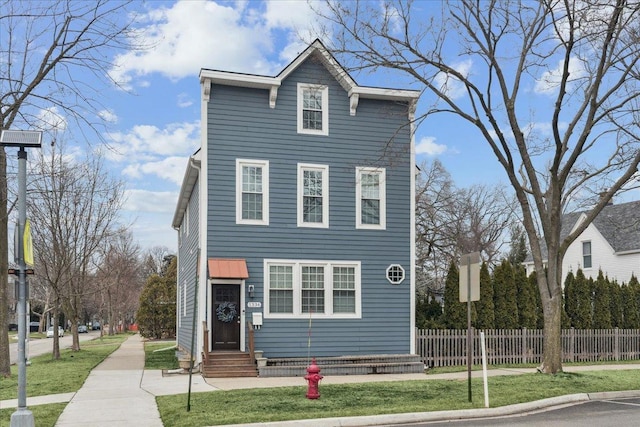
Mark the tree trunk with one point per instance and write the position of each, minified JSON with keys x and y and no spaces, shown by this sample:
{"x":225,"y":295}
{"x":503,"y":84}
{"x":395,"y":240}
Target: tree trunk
{"x":75,"y":319}
{"x":5,"y":368}
{"x":552,"y":356}
{"x":551,"y":296}
{"x":55,"y":354}
{"x":75,"y":346}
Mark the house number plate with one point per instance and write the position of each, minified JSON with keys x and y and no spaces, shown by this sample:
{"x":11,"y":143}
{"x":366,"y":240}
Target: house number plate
{"x":254,"y":304}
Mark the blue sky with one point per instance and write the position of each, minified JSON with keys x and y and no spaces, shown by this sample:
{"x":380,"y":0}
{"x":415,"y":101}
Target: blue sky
{"x":154,"y":126}
{"x":158,"y":128}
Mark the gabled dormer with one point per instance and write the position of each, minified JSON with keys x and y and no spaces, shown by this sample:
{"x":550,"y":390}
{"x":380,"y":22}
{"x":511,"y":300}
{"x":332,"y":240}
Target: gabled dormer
{"x":312,"y":99}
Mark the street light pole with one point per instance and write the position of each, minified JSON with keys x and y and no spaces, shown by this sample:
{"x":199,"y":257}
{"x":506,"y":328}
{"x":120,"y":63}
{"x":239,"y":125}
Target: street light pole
{"x":22,"y":417}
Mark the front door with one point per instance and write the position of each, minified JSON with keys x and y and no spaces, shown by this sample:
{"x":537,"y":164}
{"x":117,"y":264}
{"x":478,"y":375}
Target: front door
{"x":226,"y":317}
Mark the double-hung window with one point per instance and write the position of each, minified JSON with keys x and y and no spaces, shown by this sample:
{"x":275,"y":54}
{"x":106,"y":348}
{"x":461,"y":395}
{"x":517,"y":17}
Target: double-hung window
{"x":312,"y":288}
{"x":344,"y":289}
{"x":313,"y":195}
{"x":312,"y":285}
{"x":252,"y":192}
{"x":370,"y":198}
{"x":586,"y":255}
{"x":313,"y":109}
{"x":280,"y":280}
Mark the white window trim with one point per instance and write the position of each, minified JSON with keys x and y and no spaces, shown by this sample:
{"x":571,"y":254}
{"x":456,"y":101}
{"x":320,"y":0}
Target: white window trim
{"x":590,"y":254}
{"x":264,"y":164}
{"x":328,"y":289}
{"x":325,"y":108}
{"x":325,"y":195}
{"x":396,"y":266}
{"x":383,"y":198}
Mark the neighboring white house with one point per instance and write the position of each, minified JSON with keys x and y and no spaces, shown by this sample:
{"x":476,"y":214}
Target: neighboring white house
{"x":611,"y":243}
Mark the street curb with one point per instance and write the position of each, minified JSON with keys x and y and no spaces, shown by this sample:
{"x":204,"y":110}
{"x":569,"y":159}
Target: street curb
{"x":464,"y":414}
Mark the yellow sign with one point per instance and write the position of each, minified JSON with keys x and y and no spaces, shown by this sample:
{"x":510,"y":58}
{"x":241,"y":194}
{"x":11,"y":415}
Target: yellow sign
{"x":27,"y":244}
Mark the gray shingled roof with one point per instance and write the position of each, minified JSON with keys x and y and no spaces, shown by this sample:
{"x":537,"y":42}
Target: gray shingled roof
{"x":618,"y":224}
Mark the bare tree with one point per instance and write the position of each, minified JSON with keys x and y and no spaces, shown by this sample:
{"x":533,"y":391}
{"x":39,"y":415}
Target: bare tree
{"x":482,"y":61}
{"x":119,"y":278}
{"x":155,"y":261}
{"x":74,"y":207}
{"x":53,"y":53}
{"x":452,"y":221}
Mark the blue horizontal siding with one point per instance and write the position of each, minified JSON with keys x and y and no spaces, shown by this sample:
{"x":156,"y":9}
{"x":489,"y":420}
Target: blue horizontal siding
{"x":187,"y":262}
{"x":241,"y":125}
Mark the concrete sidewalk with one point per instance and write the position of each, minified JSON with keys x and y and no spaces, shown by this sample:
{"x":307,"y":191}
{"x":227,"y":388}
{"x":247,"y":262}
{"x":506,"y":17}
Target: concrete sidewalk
{"x":119,"y":392}
{"x":111,"y":395}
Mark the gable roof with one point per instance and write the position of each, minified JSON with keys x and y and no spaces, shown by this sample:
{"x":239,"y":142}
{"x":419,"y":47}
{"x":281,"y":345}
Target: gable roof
{"x":318,"y":50}
{"x":618,"y":224}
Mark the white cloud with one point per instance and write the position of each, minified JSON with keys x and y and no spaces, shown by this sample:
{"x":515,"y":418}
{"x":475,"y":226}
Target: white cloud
{"x":108,"y":116}
{"x":549,"y":82}
{"x":450,"y":85}
{"x":148,"y":142}
{"x":169,"y":168}
{"x":428,"y":146}
{"x":150,"y":201}
{"x":191,"y":35}
{"x":299,"y":18}
{"x":51,"y":119}
{"x":184,"y":100}
{"x":154,"y":230}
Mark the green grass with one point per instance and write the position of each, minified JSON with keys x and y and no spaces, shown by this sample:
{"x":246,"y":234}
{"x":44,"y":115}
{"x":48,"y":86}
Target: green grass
{"x":160,"y":355}
{"x":463,"y":368}
{"x":48,"y":376}
{"x":289,"y":403}
{"x":43,"y":415}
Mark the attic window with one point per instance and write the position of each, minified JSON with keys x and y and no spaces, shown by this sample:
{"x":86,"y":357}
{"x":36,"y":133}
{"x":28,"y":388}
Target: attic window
{"x":313,"y":109}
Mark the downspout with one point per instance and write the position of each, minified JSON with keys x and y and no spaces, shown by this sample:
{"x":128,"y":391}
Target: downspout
{"x":413,"y":105}
{"x":194,"y":164}
{"x":193,"y":333}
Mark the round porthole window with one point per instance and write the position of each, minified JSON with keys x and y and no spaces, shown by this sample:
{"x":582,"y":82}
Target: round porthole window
{"x":395,"y":274}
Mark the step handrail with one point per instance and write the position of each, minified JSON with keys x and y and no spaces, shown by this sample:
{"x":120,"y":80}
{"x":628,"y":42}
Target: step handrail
{"x":205,"y":342}
{"x":251,"y":342}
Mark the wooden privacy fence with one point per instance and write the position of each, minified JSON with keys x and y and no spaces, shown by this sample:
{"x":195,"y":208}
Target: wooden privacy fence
{"x":448,"y":347}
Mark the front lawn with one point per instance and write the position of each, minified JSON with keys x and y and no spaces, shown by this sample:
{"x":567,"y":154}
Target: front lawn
{"x":160,"y":355}
{"x":290,"y":403}
{"x":67,"y":374}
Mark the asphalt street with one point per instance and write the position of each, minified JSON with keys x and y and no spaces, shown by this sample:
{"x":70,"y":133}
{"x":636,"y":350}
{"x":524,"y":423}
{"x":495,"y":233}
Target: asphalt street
{"x":601,"y":413}
{"x":45,"y":345}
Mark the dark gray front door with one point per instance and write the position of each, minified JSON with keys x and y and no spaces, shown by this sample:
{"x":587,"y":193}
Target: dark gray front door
{"x":226,"y":317}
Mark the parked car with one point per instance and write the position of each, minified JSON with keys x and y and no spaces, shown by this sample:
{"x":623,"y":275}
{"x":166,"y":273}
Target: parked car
{"x":34,"y":326}
{"x":95,"y":326}
{"x":50,"y":332}
{"x":82,"y":329}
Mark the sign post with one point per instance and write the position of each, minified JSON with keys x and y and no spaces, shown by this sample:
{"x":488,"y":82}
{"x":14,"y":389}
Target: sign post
{"x":469,"y":290}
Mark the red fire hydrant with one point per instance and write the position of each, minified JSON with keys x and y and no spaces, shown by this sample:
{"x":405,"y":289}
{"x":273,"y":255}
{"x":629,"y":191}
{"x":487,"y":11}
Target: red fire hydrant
{"x":313,"y":377}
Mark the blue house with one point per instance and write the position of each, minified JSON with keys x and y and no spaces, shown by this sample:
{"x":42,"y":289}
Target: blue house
{"x":295,"y":223}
